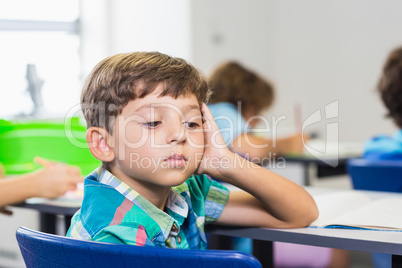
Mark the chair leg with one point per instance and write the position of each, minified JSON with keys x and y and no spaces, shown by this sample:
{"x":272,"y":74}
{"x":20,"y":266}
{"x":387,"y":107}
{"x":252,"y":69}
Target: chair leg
{"x":263,"y":251}
{"x":220,"y":242}
{"x":48,"y":223}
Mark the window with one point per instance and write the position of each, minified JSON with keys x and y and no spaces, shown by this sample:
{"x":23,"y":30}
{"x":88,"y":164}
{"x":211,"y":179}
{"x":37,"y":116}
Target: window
{"x":44,"y":33}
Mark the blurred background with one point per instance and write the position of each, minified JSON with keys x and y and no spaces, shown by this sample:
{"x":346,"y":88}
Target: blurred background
{"x":314,"y":52}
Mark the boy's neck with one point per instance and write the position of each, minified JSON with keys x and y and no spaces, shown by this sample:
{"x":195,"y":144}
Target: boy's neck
{"x":157,"y":199}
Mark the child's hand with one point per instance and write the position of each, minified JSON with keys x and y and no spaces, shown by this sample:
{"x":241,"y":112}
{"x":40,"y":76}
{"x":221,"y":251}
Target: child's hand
{"x":56,"y":178}
{"x":3,"y":210}
{"x":216,"y":154}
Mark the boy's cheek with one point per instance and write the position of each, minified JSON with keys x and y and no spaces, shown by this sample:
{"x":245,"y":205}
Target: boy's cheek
{"x":197,"y":141}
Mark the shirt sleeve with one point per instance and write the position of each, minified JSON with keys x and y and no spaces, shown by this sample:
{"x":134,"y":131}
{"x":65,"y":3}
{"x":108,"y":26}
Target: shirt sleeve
{"x":230,"y":122}
{"x":383,"y":147}
{"x":209,"y":197}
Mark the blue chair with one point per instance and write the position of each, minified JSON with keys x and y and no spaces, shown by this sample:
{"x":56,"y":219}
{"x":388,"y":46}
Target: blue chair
{"x":378,"y":175}
{"x":46,"y":250}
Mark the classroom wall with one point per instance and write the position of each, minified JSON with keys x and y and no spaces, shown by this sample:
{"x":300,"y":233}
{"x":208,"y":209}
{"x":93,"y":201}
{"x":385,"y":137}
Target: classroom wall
{"x":119,"y":26}
{"x":315,"y":53}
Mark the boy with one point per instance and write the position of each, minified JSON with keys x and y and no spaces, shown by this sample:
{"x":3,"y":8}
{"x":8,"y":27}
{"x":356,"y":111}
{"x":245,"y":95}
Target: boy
{"x":148,"y":124}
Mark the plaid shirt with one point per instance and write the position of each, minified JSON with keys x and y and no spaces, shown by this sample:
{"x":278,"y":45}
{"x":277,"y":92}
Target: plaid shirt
{"x":113,"y":212}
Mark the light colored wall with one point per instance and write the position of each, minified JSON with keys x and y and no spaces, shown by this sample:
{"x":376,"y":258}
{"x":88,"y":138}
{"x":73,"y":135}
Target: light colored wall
{"x":328,"y":51}
{"x":119,"y":26}
{"x":151,"y":25}
{"x":315,"y":52}
{"x":240,"y":30}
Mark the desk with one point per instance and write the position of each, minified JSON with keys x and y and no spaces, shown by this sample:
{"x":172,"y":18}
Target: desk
{"x":389,"y":242}
{"x":359,"y":240}
{"x":324,"y":165}
{"x":49,"y":209}
{"x":314,"y":167}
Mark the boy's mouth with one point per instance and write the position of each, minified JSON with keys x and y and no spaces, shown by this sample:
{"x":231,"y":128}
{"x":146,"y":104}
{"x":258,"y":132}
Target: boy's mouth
{"x":176,"y":160}
{"x":177,"y":157}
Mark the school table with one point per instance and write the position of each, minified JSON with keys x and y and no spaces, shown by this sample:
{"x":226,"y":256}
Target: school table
{"x":321,"y":166}
{"x":389,"y":242}
{"x":358,"y":240}
{"x":314,"y":167}
{"x":372,"y":241}
{"x":49,"y":209}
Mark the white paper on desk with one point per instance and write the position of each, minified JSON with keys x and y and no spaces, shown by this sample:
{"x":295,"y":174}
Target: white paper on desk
{"x":384,"y":213}
{"x":333,"y":205}
{"x":357,"y":210}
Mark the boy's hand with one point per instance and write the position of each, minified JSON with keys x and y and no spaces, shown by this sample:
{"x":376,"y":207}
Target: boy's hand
{"x":216,"y":156}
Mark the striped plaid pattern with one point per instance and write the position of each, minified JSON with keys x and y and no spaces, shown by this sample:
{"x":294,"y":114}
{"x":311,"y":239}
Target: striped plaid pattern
{"x":113,"y":212}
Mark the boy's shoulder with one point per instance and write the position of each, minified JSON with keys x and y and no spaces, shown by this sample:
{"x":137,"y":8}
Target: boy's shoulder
{"x":104,"y":205}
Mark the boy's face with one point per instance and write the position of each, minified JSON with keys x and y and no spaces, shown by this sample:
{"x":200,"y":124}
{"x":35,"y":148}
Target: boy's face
{"x":158,"y":140}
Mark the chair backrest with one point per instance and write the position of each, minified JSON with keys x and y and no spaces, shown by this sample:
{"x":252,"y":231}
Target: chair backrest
{"x":378,"y":175}
{"x":46,"y":250}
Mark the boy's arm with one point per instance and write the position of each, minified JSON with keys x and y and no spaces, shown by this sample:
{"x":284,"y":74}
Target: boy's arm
{"x":268,"y":199}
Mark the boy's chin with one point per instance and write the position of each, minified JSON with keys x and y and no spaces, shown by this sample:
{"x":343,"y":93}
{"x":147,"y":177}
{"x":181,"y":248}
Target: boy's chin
{"x":175,"y":177}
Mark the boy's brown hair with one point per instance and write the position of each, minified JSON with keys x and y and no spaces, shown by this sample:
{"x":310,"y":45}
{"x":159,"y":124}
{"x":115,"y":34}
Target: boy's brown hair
{"x":121,"y":78}
{"x":231,"y":82}
{"x":390,"y":85}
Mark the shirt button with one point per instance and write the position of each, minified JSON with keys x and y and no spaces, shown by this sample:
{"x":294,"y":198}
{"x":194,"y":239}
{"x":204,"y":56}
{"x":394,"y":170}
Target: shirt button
{"x":178,"y":239}
{"x":174,"y":228}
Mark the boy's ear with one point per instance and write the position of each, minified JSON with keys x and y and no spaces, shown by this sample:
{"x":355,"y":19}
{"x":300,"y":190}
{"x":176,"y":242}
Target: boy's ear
{"x":98,"y":143}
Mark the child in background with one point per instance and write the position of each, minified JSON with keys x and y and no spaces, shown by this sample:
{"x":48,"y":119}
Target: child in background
{"x":390,"y":89}
{"x":383,"y":146}
{"x":148,"y":124}
{"x":52,"y":181}
{"x":239,"y":97}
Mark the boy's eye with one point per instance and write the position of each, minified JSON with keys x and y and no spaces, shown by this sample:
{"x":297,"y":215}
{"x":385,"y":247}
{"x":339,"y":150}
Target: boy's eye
{"x":191,"y":125}
{"x":153,"y":124}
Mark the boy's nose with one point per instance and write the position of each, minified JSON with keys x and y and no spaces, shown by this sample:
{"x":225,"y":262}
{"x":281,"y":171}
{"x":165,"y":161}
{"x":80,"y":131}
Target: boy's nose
{"x":177,"y":134}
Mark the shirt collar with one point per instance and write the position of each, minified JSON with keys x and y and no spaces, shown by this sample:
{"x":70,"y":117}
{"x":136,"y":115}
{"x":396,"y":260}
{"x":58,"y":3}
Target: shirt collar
{"x":175,"y":203}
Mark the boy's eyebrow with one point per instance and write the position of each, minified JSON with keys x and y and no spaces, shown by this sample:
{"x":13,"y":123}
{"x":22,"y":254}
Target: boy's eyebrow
{"x":192,"y":107}
{"x":159,"y":106}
